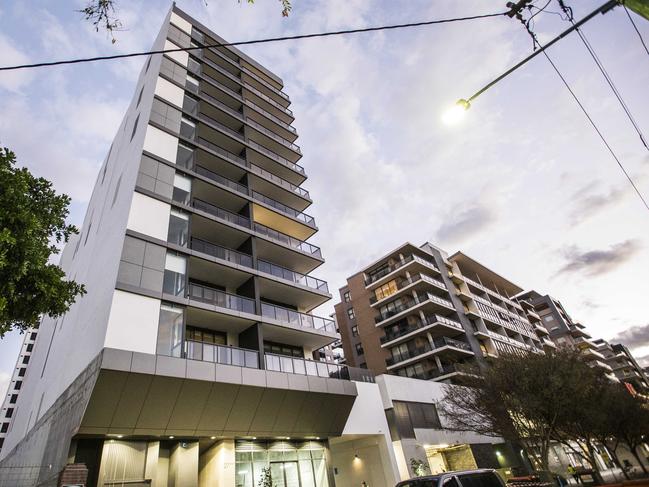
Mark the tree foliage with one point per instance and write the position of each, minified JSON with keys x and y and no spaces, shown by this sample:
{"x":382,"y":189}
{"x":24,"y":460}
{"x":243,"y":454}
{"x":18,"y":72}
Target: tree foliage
{"x":32,"y":222}
{"x":538,"y":399}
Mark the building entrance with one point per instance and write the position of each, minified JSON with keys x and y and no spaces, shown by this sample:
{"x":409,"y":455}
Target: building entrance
{"x":285,"y":474}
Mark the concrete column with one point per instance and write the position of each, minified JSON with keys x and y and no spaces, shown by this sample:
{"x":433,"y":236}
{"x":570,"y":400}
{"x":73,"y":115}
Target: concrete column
{"x":217,"y":465}
{"x":183,"y":465}
{"x":151,"y":465}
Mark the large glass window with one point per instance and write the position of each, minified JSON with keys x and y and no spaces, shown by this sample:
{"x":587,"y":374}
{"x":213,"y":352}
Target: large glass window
{"x":291,"y":463}
{"x":191,"y":84}
{"x":387,"y":289}
{"x":170,"y":330}
{"x":174,"y":276}
{"x":190,"y":105}
{"x":182,"y":189}
{"x":187,"y":128}
{"x":178,"y":228}
{"x":185,"y":156}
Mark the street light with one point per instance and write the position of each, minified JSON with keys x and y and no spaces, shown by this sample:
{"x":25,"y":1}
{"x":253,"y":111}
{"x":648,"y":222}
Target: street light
{"x":455,"y":114}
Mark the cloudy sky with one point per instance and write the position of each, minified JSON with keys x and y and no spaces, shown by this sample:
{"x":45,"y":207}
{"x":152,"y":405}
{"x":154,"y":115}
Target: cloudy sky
{"x":523,"y":185}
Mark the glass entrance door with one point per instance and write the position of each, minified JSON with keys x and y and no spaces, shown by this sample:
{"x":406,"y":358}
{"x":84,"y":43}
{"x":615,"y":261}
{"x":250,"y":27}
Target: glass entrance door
{"x":285,"y":474}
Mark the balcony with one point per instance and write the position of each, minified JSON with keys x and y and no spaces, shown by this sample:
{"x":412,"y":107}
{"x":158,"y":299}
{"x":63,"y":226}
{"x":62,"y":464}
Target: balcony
{"x":301,"y":217}
{"x":221,"y":354}
{"x":295,"y":365}
{"x":292,"y":276}
{"x":445,"y":326}
{"x":405,"y":283}
{"x":221,"y":299}
{"x":281,"y":108}
{"x":222,"y":253}
{"x":297,"y":319}
{"x":270,"y":116}
{"x":242,"y":221}
{"x":277,"y":138}
{"x":277,"y":158}
{"x":255,"y":169}
{"x":419,"y":352}
{"x":265,"y":83}
{"x":424,"y":298}
{"x":374,"y":278}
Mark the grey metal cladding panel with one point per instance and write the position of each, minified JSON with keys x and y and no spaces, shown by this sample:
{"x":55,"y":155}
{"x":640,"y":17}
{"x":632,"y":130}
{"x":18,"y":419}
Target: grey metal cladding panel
{"x":340,"y":418}
{"x":145,"y":181}
{"x":218,"y":407}
{"x":154,"y":256}
{"x":131,"y":401}
{"x":291,"y":407}
{"x":165,"y":190}
{"x":159,"y":402}
{"x":193,"y":397}
{"x":130,"y":274}
{"x":104,"y":399}
{"x":269,"y":408}
{"x":133,"y":250}
{"x":311,"y":409}
{"x":329,"y":408}
{"x":244,"y":408}
{"x":165,"y":174}
{"x":149,"y":167}
{"x":152,"y":280}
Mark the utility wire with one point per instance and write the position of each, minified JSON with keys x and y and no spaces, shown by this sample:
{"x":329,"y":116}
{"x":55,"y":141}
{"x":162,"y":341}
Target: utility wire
{"x":636,"y":29}
{"x":255,"y":41}
{"x":607,"y":77}
{"x":592,"y":122}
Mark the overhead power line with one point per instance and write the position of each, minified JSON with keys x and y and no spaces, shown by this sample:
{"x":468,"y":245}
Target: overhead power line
{"x":255,"y":41}
{"x":628,"y":14}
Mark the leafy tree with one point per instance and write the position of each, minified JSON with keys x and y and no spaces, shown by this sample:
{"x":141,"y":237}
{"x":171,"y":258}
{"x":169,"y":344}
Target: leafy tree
{"x":266,"y":479}
{"x":521,"y":398}
{"x":418,"y":467}
{"x":32,"y":221}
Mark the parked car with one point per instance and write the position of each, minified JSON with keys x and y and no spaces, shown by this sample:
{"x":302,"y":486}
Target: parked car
{"x":467,"y":478}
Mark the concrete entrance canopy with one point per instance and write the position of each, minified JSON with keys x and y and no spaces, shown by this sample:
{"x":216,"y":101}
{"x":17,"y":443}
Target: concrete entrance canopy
{"x":147,"y":395}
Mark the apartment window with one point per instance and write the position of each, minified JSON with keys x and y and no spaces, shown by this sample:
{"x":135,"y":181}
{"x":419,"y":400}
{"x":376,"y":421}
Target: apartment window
{"x":355,"y":331}
{"x":283,"y":349}
{"x":4,"y":428}
{"x":170,"y":330}
{"x":190,"y":105}
{"x":387,"y":289}
{"x":191,"y":84}
{"x":362,"y":365}
{"x":148,"y":63}
{"x":13,"y":399}
{"x":548,"y":318}
{"x":182,"y":189}
{"x":9,"y":413}
{"x":193,"y":65}
{"x":26,"y":359}
{"x":137,"y":119}
{"x":174,"y":275}
{"x":21,"y":372}
{"x":85,"y":241}
{"x":206,"y":336}
{"x":405,"y":417}
{"x":30,"y":347}
{"x":359,"y":349}
{"x":350,"y":313}
{"x":178,"y":228}
{"x":347,"y":297}
{"x":18,"y":385}
{"x":187,"y":128}
{"x":103,"y":175}
{"x":33,"y":336}
{"x":185,"y":156}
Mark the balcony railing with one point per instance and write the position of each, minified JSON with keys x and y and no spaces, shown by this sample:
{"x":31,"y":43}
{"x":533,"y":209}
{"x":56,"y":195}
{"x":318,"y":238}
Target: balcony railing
{"x":283,"y":161}
{"x":298,"y":215}
{"x":269,"y":100}
{"x":303,"y":217}
{"x":430,"y":320}
{"x":265,"y":83}
{"x":222,"y":106}
{"x":254,"y":168}
{"x":221,"y":299}
{"x":245,"y":260}
{"x":295,"y":365}
{"x":388,"y":270}
{"x":221,"y":354}
{"x":289,"y":275}
{"x":421,"y":298}
{"x":438,"y":343}
{"x":221,"y":214}
{"x":221,"y":252}
{"x":237,"y":135}
{"x":273,"y":135}
{"x":235,"y":94}
{"x":305,"y":247}
{"x":408,"y":281}
{"x":270,"y":116}
{"x":303,"y":320}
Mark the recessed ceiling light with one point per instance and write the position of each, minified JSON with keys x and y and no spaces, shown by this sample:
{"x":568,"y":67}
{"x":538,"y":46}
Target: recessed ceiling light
{"x":171,"y":437}
{"x":212,"y":437}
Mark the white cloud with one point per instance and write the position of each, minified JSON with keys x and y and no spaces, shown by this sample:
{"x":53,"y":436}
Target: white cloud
{"x":13,"y":81}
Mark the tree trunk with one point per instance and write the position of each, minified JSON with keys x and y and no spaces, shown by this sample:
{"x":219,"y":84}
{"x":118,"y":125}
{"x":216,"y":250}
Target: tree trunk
{"x":634,"y":450}
{"x":592,"y":459}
